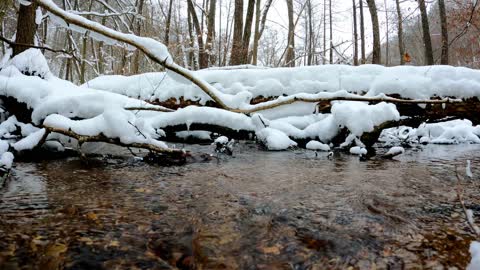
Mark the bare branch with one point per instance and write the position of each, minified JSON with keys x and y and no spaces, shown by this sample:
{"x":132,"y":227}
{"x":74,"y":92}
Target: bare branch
{"x":12,"y":43}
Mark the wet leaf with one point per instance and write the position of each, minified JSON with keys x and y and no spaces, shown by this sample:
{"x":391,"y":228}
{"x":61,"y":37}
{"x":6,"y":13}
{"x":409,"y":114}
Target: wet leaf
{"x":56,"y":249}
{"x":143,"y":190}
{"x":114,"y":243}
{"x":85,"y":240}
{"x":275,"y":250}
{"x":92,"y":216}
{"x":38,"y":242}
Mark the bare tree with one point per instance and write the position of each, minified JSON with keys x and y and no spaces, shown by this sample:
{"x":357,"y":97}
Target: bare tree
{"x":261,"y":28}
{"x":355,"y":34}
{"x":310,"y":33}
{"x":167,"y":24}
{"x":376,"y":55}
{"x":236,"y":55}
{"x":401,"y":48}
{"x":387,"y":42}
{"x":247,"y":31}
{"x":427,"y":41}
{"x":26,"y":28}
{"x":362,"y":33}
{"x":331,"y":29}
{"x":324,"y":31}
{"x":290,"y":57}
{"x":211,"y":31}
{"x":203,"y":58}
{"x":138,"y":28}
{"x":444,"y":26}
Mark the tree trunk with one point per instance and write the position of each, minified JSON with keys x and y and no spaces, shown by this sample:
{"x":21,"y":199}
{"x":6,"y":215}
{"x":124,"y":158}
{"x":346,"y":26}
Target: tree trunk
{"x":290,"y":57}
{"x":331,"y":29}
{"x":376,"y":57}
{"x":247,"y":32}
{"x":203,"y":58}
{"x":211,"y":31}
{"x":355,"y":35}
{"x":401,"y":49}
{"x":324,"y":60}
{"x":444,"y":25}
{"x":26,"y":28}
{"x":362,"y":33}
{"x":310,"y":34}
{"x":236,"y":54}
{"x":167,"y":26}
{"x":426,"y":33}
{"x":219,"y":56}
{"x":193,"y":61}
{"x":387,"y":42}
{"x":138,"y":29}
{"x":261,"y":27}
{"x":83,"y":65}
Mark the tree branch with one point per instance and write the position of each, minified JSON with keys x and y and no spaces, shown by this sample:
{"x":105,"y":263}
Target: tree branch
{"x":12,"y":43}
{"x":102,"y":138}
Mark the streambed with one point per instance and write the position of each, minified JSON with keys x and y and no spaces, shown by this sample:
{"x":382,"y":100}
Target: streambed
{"x":255,"y":210}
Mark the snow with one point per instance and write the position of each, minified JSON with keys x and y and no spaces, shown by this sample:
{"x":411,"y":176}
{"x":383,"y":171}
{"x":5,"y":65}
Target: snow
{"x":468,"y":170}
{"x":360,"y":117}
{"x":274,"y":139}
{"x":4,"y":145}
{"x":6,"y":160}
{"x":357,"y":150}
{"x":113,"y":123}
{"x":408,"y":81}
{"x":30,"y":141}
{"x":448,"y":132}
{"x":52,"y":95}
{"x":202,"y":115}
{"x":475,"y":253}
{"x":31,"y":62}
{"x":221,"y":140}
{"x":316,"y":145}
{"x":38,"y":16}
{"x":395,"y":151}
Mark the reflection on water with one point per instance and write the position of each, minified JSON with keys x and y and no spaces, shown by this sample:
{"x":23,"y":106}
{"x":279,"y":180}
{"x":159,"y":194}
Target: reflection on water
{"x":256,"y":210}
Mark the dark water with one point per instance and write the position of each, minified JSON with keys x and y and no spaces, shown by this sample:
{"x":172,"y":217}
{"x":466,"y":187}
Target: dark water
{"x":256,"y":210}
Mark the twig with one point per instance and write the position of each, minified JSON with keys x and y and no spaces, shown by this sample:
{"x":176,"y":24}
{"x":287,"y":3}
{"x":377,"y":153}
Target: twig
{"x":11,"y":43}
{"x":459,"y":190}
{"x":156,"y":109}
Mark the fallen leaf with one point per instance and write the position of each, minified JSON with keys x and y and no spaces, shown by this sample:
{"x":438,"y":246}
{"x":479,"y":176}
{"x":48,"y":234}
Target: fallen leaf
{"x":92,"y":216}
{"x":114,"y":243}
{"x":143,"y":190}
{"x":275,"y":250}
{"x":85,"y":240}
{"x":56,"y":249}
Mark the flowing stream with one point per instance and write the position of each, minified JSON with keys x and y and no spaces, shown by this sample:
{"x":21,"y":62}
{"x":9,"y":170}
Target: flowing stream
{"x":255,"y":210}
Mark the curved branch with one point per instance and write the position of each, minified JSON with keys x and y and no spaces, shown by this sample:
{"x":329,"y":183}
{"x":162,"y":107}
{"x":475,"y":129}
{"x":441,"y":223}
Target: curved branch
{"x":140,"y":43}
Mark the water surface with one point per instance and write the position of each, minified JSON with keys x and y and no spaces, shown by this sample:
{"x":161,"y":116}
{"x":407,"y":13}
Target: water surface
{"x":255,"y":210}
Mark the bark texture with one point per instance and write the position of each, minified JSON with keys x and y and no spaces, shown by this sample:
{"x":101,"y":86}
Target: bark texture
{"x":26,"y":28}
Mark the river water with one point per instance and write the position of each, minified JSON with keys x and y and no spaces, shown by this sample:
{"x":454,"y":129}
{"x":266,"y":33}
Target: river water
{"x":255,"y":210}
